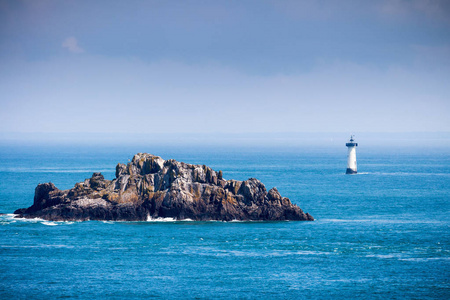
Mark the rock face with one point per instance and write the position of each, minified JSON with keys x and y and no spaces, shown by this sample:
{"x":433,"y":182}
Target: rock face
{"x":150,"y":187}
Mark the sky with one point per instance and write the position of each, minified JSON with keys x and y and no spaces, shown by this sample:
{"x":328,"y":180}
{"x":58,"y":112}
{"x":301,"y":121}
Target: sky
{"x":224,"y":67}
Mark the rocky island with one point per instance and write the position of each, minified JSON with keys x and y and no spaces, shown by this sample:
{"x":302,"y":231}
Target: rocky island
{"x":149,"y":187}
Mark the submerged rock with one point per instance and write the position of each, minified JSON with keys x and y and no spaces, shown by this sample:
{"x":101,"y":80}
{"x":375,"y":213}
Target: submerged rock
{"x":149,"y":187}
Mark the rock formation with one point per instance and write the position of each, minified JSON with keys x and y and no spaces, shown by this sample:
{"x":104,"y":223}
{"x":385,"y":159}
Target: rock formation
{"x":150,"y":187}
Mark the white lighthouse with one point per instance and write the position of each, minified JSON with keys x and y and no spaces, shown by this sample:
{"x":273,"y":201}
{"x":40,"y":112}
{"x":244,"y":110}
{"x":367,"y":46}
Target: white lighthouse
{"x":351,"y":162}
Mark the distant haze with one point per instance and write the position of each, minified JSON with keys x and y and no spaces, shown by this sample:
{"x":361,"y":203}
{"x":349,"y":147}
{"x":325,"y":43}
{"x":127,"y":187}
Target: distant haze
{"x":283,"y":141}
{"x":224,"y":67}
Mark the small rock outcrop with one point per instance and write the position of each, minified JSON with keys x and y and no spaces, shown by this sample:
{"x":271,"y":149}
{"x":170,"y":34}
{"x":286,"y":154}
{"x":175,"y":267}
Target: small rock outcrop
{"x":149,"y":187}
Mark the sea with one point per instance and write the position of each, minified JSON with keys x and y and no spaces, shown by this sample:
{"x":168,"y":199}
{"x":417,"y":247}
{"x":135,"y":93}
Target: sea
{"x":380,"y":234}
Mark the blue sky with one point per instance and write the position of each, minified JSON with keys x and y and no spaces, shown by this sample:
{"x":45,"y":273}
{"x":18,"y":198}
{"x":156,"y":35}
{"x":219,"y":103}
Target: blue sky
{"x":224,"y":66}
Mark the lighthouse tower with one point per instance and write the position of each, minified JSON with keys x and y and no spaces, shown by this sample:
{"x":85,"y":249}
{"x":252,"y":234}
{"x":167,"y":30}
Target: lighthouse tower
{"x":351,"y":162}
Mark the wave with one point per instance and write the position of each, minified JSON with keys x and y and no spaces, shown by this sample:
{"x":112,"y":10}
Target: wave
{"x":40,"y":246}
{"x":402,"y":174}
{"x":381,"y":221}
{"x":406,"y":257}
{"x":250,"y":253}
{"x":12,"y":218}
{"x":150,"y":219}
{"x":54,"y":170}
{"x":421,"y":259}
{"x":384,"y":256}
{"x":6,"y":219}
{"x":50,"y":223}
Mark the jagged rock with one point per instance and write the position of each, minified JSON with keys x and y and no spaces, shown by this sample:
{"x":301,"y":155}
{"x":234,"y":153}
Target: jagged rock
{"x":150,"y":187}
{"x":274,"y":195}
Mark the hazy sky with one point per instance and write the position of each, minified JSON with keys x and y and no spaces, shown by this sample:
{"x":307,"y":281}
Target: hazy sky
{"x":224,"y":66}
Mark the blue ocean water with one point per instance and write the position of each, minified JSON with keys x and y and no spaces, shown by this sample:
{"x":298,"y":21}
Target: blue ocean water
{"x":383,"y":233}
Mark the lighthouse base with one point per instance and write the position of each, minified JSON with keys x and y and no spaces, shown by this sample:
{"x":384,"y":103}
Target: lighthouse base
{"x":350,"y":171}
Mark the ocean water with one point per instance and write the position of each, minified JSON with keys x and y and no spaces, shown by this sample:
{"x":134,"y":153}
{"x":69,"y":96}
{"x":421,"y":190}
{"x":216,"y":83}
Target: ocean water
{"x":383,"y":233}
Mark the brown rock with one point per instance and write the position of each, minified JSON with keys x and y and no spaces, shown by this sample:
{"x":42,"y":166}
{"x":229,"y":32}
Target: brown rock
{"x":150,"y":187}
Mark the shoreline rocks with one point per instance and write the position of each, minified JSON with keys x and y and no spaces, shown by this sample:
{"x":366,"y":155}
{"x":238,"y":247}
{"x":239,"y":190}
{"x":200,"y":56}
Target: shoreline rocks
{"x":149,"y":187}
